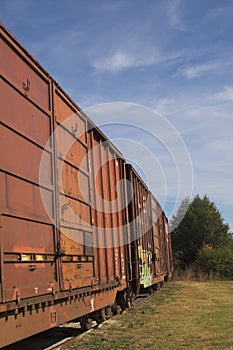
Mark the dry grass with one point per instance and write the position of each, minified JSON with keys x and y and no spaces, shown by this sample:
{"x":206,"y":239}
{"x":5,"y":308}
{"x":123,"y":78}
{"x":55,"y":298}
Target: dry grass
{"x":183,"y":315}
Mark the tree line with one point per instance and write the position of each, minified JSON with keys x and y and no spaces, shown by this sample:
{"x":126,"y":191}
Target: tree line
{"x":202,"y":243}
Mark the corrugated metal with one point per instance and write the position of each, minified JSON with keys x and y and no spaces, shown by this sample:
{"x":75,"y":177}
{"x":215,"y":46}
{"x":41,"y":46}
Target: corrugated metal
{"x":169,"y":259}
{"x":142,"y":246}
{"x":74,"y":217}
{"x":21,"y":72}
{"x":107,"y":170}
{"x":28,"y":242}
{"x":151,"y":244}
{"x":156,"y":212}
{"x":64,"y":231}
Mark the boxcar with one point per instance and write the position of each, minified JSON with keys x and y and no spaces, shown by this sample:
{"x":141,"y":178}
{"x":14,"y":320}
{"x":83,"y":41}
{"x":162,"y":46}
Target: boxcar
{"x":74,"y":242}
{"x":58,"y":262}
{"x":162,"y":254}
{"x":150,"y":237}
{"x":109,"y":213}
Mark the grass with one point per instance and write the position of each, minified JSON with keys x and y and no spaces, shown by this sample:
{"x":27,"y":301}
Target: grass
{"x":183,"y":315}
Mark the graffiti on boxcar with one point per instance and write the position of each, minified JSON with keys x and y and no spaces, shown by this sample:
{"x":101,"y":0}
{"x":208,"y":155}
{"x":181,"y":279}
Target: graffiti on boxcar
{"x":145,"y":261}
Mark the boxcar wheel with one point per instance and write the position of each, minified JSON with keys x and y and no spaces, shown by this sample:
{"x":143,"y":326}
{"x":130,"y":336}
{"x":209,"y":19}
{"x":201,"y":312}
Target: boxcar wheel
{"x":151,"y":290}
{"x":116,"y":309}
{"x":86,"y":323}
{"x":101,"y":316}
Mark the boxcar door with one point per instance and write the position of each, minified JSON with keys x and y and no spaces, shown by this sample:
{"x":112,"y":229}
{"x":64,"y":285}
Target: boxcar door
{"x":76,"y":251}
{"x":27,"y":235}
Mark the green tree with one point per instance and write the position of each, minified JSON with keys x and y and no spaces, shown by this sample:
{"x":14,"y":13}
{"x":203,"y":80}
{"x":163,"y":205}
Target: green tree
{"x":201,"y":227}
{"x":215,"y":261}
{"x":177,"y":218}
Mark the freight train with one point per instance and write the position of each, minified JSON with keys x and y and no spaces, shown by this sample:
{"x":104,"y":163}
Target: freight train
{"x":76,"y":242}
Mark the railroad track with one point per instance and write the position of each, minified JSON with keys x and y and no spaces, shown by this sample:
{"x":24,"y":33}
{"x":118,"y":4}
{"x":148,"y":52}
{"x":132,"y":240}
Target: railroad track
{"x":51,"y":339}
{"x":63,"y":335}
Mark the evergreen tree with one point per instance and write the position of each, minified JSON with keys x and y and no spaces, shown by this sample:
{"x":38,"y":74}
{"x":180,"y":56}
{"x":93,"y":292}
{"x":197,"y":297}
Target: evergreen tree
{"x":201,"y":237}
{"x":177,"y":218}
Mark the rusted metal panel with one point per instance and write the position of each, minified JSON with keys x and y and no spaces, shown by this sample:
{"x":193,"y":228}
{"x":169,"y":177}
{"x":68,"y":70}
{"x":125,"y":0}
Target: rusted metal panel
{"x":115,"y":236}
{"x":107,"y":183}
{"x":122,"y":219}
{"x":73,"y":183}
{"x":156,"y":212}
{"x":20,"y":71}
{"x":26,"y":120}
{"x":162,"y":244}
{"x":74,"y":212}
{"x":27,"y":235}
{"x":145,"y":240}
{"x":23,"y":157}
{"x":77,"y":262}
{"x":72,"y":241}
{"x":150,"y":251}
{"x":98,"y":216}
{"x":76,"y":254}
{"x":30,"y":320}
{"x":168,"y":249}
{"x":28,"y":267}
{"x":24,"y":198}
{"x":76,"y":154}
{"x":63,"y":110}
{"x":111,"y":262}
{"x":3,"y":191}
{"x":81,"y":270}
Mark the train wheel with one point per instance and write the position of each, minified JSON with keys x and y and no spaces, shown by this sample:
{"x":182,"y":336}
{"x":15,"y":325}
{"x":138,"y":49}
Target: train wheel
{"x":125,"y":300}
{"x":108,"y":311}
{"x":151,"y":290}
{"x":86,"y":323}
{"x":162,"y":284}
{"x":132,"y":298}
{"x":101,"y":316}
{"x":116,"y":309}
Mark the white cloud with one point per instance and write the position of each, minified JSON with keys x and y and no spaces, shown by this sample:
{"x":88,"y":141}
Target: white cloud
{"x":205,"y":122}
{"x":174,"y":14}
{"x":136,"y":57}
{"x":117,"y":61}
{"x":196,"y":71}
{"x":197,"y":106}
{"x":225,"y":95}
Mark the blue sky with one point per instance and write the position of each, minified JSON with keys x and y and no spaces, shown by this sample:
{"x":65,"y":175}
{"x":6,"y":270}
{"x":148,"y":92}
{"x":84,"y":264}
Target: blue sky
{"x":173,"y":57}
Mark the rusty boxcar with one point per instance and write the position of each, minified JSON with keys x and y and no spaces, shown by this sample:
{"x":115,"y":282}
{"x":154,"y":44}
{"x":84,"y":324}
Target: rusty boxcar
{"x":162,"y":241}
{"x":70,"y":244}
{"x":52,"y":267}
{"x":150,"y":237}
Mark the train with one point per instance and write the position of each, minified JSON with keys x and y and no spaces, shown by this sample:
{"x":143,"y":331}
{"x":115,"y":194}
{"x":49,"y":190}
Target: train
{"x":81,"y":234}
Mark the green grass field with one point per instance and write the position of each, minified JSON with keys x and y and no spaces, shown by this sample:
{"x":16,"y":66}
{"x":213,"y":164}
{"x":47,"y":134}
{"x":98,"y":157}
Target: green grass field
{"x":183,"y":315}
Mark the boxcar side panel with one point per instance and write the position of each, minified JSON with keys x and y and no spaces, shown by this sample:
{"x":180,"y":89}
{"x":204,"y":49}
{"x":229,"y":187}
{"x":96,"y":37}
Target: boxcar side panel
{"x":106,"y":168}
{"x":28,"y":238}
{"x":74,"y":216}
{"x":147,"y":225}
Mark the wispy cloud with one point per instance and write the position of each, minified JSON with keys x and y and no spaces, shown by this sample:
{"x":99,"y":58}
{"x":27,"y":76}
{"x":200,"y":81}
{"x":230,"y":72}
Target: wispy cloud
{"x":196,"y":71}
{"x":136,"y":57}
{"x":174,"y":14}
{"x":174,"y":56}
{"x":225,"y":95}
{"x":118,"y":60}
{"x":213,"y":105}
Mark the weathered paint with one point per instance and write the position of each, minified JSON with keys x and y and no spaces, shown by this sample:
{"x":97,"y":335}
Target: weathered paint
{"x":145,"y":261}
{"x":50,"y":271}
{"x":106,"y":166}
{"x":40,"y":259}
{"x":151,"y":246}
